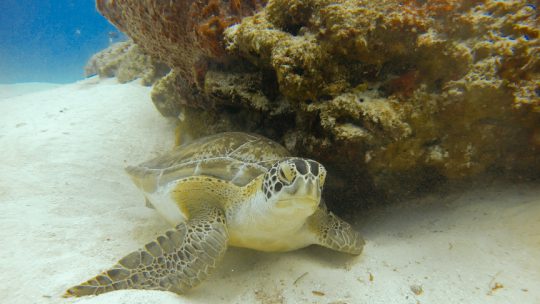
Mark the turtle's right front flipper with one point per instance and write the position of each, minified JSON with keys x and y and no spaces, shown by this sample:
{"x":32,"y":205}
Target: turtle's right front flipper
{"x":332,"y":232}
{"x":176,"y":261}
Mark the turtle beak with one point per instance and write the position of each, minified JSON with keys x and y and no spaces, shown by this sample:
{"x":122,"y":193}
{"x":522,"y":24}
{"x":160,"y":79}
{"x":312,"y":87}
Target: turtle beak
{"x":306,"y":193}
{"x":299,"y":205}
{"x":307,"y":187}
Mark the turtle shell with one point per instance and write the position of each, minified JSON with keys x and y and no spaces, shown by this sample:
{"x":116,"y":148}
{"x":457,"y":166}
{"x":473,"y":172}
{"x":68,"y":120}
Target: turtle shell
{"x":232,"y":156}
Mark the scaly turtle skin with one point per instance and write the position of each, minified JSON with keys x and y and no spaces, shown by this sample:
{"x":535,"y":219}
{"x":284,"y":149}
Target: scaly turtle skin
{"x":232,"y":189}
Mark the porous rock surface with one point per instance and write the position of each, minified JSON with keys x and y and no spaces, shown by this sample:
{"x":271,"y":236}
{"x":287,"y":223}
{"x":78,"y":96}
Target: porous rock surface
{"x":125,"y":61}
{"x":392,"y":96}
{"x":185,"y":34}
{"x":404,"y":92}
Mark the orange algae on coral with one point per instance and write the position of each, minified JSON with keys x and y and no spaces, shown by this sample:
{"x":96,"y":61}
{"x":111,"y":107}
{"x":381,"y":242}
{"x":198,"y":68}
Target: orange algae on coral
{"x":180,"y":33}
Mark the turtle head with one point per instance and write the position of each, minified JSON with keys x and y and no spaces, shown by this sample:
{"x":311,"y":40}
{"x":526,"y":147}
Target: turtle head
{"x":294,"y":186}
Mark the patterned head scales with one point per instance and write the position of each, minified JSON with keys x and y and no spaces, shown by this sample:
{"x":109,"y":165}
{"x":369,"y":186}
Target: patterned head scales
{"x":295,"y":176}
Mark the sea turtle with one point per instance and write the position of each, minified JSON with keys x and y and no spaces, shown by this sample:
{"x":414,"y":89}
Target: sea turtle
{"x":234,"y":189}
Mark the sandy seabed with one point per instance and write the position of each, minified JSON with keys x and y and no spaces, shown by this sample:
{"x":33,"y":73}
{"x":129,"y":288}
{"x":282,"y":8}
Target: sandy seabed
{"x":68,"y":211}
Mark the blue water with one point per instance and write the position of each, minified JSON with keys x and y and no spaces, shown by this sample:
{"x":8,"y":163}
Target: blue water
{"x":49,"y":40}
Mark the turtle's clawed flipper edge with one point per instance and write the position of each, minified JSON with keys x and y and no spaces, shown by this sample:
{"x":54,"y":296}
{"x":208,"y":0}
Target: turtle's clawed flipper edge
{"x":334,"y":233}
{"x":177,"y":261}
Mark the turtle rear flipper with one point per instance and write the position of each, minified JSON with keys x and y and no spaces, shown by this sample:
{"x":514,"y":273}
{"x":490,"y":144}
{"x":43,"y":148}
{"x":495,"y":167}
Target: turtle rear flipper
{"x":177,"y":261}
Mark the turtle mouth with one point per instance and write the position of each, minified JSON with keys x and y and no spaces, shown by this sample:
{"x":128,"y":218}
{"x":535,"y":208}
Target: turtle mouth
{"x":298,"y":203}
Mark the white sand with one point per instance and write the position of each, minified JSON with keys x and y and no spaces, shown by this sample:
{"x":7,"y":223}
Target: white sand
{"x":17,"y":89}
{"x":68,"y":211}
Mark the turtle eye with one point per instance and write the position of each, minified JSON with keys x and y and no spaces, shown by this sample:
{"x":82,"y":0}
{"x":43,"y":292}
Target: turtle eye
{"x":286,"y":174}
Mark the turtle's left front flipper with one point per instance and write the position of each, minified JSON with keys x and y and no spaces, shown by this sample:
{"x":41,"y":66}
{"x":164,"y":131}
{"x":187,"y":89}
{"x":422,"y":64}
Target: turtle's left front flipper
{"x":176,"y":261}
{"x":334,"y":233}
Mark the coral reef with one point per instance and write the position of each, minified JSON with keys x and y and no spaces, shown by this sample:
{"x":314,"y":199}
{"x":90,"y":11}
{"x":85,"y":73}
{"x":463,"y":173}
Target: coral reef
{"x":125,"y":61}
{"x":392,"y":96}
{"x":224,"y":91}
{"x":185,"y":34}
{"x":403,"y":90}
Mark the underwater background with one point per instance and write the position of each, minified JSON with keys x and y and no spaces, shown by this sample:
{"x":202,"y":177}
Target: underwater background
{"x":425,"y":114}
{"x":49,"y":41}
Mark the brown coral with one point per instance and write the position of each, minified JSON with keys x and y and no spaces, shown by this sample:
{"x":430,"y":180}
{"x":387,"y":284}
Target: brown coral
{"x":403,"y":90}
{"x":184,"y":34}
{"x":392,"y":95}
{"x":126,"y":61}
